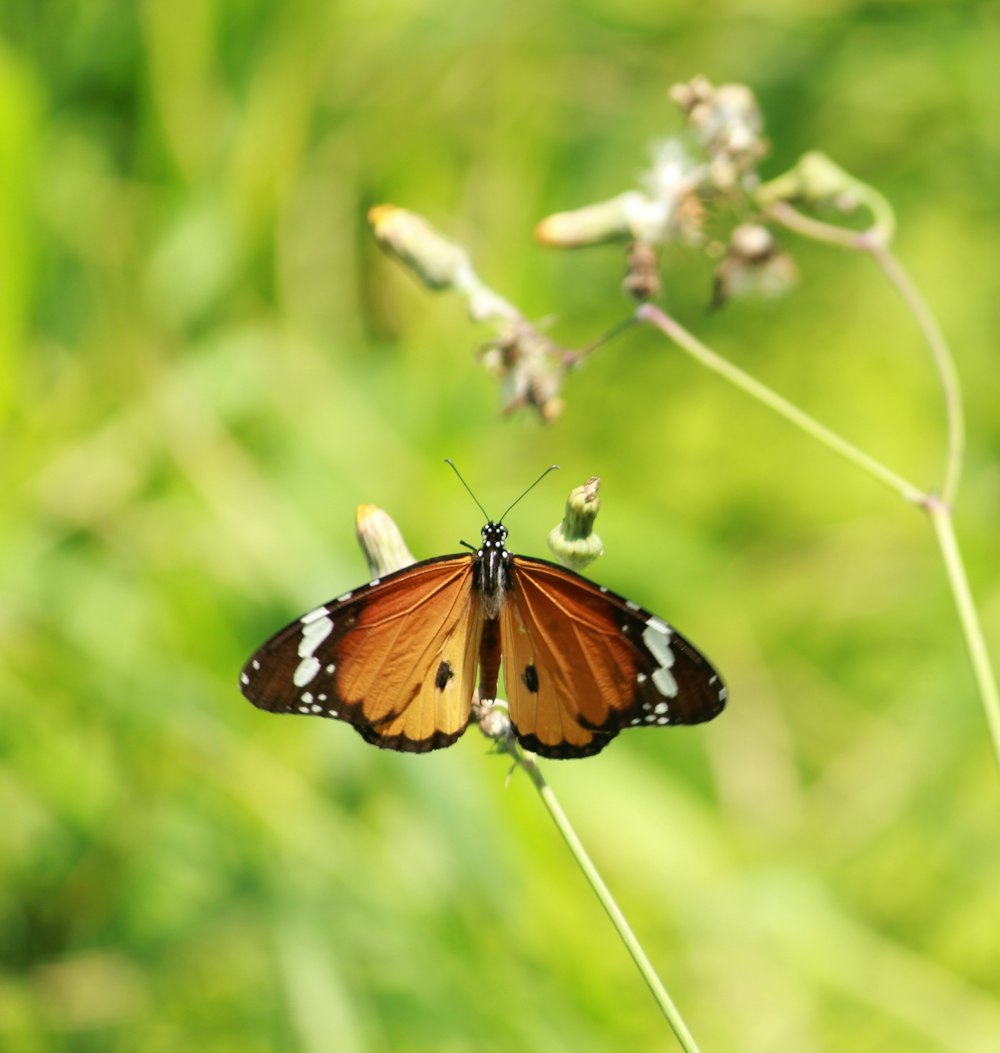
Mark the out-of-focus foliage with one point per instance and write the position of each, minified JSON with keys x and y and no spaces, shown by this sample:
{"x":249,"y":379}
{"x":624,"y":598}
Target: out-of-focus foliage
{"x":205,"y":365}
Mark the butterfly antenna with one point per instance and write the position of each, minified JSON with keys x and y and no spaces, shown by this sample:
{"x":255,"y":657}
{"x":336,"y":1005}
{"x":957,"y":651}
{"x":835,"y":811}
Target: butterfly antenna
{"x":551,"y":468}
{"x":451,"y":463}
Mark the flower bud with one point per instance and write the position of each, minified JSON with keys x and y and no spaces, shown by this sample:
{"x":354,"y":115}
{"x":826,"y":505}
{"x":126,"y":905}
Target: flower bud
{"x":595,"y":224}
{"x":573,"y":541}
{"x":437,"y":262}
{"x":381,"y":541}
{"x":814,"y":179}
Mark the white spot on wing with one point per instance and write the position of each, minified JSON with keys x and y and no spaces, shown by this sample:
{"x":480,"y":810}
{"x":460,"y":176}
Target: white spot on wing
{"x":244,"y":679}
{"x":320,"y":612}
{"x":313,"y":634}
{"x":656,"y":636}
{"x":632,"y":606}
{"x":344,"y":596}
{"x":305,"y":671}
{"x":665,"y":683}
{"x":658,"y":644}
{"x":660,"y":626}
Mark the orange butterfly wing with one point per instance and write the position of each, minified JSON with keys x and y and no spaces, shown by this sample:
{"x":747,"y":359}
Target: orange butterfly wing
{"x":396,"y":658}
{"x":581,"y":663}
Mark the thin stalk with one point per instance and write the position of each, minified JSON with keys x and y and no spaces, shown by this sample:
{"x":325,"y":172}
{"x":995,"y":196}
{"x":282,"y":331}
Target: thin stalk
{"x":937,"y":508}
{"x":814,"y":228}
{"x":385,"y":551}
{"x":943,"y":361}
{"x":940,"y":516}
{"x":876,"y":245}
{"x":694,"y":347}
{"x":628,"y":937}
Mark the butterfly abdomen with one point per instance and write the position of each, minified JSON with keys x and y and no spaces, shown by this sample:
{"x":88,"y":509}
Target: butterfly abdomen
{"x":489,"y":660}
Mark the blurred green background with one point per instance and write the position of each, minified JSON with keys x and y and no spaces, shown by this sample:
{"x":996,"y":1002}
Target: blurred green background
{"x":205,"y":365}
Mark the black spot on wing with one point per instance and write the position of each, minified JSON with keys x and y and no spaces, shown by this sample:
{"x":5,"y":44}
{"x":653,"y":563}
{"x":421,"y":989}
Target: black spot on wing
{"x":530,"y":678}
{"x":444,"y":674}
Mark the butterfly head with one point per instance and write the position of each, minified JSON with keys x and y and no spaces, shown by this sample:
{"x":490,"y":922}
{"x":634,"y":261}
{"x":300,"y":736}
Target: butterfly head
{"x":494,"y":538}
{"x":492,"y":560}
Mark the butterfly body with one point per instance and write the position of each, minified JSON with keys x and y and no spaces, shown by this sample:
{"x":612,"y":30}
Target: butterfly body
{"x":397,"y":658}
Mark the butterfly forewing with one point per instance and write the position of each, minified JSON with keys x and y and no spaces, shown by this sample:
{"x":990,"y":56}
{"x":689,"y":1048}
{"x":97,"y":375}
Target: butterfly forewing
{"x":396,"y":658}
{"x":581,"y":663}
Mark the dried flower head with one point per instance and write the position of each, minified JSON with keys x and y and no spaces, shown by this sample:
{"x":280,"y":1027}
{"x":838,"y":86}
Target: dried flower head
{"x":531,"y":368}
{"x":754,"y":266}
{"x":727,"y":123}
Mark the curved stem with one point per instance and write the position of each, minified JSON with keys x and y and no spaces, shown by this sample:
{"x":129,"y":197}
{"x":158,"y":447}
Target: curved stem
{"x":694,"y":347}
{"x":943,"y":361}
{"x":814,"y":228}
{"x":628,"y":937}
{"x":937,"y":508}
{"x":876,"y":244}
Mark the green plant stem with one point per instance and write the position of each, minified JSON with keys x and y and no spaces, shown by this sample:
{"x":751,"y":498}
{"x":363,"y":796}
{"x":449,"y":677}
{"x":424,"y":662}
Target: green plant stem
{"x":938,"y":509}
{"x":941,"y":520}
{"x":628,"y":937}
{"x":707,"y":357}
{"x":384,"y":549}
{"x":814,"y":228}
{"x":943,"y":361}
{"x":876,"y":245}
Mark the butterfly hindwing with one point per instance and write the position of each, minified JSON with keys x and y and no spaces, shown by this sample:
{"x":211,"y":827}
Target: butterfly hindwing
{"x":581,"y":663}
{"x":396,"y":658}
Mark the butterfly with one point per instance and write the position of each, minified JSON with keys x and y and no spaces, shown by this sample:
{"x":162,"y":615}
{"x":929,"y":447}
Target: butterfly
{"x":397,"y":658}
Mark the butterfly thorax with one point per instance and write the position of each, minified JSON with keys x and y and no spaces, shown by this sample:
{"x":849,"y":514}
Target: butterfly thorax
{"x":491,"y":568}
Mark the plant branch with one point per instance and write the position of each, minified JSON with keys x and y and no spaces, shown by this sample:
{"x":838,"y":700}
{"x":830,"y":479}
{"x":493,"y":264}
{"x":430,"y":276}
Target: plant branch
{"x":528,"y":763}
{"x":941,"y":354}
{"x":936,"y":507}
{"x":876,"y":245}
{"x":982,"y":669}
{"x":725,"y":369}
